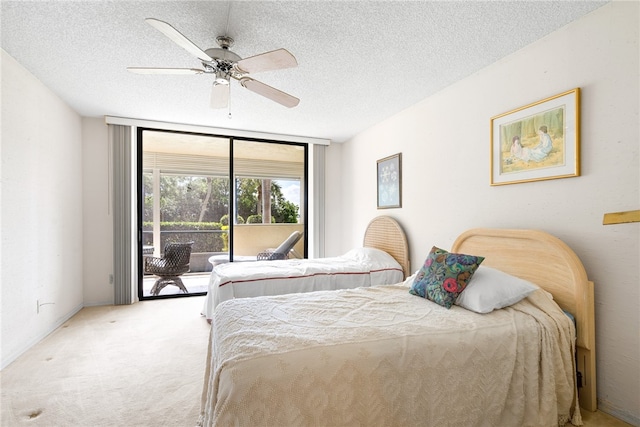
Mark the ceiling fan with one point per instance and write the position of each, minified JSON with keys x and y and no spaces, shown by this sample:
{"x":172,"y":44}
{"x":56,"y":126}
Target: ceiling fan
{"x":227,"y":65}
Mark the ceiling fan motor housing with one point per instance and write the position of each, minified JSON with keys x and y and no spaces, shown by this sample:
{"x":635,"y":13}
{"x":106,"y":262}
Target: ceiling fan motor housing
{"x":223,"y":64}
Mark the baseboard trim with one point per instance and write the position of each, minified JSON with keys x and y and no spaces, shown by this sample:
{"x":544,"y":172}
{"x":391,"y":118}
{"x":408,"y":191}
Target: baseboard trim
{"x":12,"y":357}
{"x":98,"y":304}
{"x":605,"y":406}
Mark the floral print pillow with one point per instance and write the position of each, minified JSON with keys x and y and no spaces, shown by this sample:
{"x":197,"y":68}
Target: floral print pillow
{"x":444,"y":276}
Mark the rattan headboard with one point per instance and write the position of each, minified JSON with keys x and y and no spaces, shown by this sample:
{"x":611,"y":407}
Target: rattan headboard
{"x":548,"y":262}
{"x":384,"y":233}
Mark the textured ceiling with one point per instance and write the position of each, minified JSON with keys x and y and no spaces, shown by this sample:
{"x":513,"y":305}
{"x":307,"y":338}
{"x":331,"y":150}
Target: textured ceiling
{"x":359,"y":62}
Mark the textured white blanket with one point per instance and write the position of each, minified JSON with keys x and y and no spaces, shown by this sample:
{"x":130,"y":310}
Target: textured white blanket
{"x":358,"y":267}
{"x":381,"y":357}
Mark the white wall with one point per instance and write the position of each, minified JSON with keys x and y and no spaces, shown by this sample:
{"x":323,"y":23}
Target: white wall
{"x":445,"y":146}
{"x":97,"y":214}
{"x":41,"y":211}
{"x":51,"y":222}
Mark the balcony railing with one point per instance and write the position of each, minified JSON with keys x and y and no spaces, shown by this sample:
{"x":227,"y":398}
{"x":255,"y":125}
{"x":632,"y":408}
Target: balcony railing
{"x":249,"y":239}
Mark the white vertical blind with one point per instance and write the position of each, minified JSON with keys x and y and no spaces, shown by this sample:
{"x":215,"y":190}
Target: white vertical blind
{"x":316,"y":201}
{"x":123,"y":214}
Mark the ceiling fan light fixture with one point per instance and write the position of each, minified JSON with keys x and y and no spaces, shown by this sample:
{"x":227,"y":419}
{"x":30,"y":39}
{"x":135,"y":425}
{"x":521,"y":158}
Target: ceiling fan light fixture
{"x":219,"y":95}
{"x":222,"y":78}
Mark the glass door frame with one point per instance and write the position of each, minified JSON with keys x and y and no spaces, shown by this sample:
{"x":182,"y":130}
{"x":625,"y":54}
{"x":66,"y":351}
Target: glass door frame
{"x":232,"y":198}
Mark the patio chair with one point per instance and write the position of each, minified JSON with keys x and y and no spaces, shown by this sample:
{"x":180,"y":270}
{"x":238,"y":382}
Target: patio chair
{"x":282,"y":251}
{"x":169,"y":267}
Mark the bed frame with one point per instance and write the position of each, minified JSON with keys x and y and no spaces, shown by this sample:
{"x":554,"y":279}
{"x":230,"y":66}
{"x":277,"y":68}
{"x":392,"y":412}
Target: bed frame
{"x":545,"y":260}
{"x":384,"y":233}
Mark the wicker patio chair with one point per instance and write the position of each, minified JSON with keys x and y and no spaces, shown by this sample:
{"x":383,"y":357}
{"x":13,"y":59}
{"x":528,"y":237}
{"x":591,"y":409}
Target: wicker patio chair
{"x":169,"y":267}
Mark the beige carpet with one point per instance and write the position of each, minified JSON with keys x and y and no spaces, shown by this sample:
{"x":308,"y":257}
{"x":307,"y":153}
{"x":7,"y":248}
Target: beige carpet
{"x":137,"y":365}
{"x":125,"y":366}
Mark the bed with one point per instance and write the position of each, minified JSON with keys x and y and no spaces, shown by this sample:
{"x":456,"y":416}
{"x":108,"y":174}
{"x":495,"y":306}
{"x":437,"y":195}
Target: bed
{"x":381,"y":356}
{"x":383,"y":259}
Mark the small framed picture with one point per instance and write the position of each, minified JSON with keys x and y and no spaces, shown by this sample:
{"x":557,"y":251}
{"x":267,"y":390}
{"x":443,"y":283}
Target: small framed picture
{"x":389,"y":177}
{"x":538,"y":141}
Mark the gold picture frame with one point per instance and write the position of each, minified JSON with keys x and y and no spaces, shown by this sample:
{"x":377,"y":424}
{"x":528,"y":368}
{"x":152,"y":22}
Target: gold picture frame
{"x":537,"y":142}
{"x":389,"y":181}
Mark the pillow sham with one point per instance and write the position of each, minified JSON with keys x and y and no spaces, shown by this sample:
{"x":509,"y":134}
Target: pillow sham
{"x":491,"y":289}
{"x":444,"y":276}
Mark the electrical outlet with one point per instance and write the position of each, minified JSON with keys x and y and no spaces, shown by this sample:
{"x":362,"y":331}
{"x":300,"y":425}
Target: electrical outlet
{"x":111,"y":279}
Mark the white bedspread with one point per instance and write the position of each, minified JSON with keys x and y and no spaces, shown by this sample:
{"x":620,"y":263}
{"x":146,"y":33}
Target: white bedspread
{"x":381,"y":357}
{"x":358,"y":267}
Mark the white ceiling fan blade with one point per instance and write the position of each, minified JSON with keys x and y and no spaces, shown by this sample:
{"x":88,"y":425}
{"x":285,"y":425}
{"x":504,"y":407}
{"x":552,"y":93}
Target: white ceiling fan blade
{"x":146,"y":70}
{"x":269,"y":92}
{"x":274,"y":60}
{"x":178,"y":38}
{"x":219,"y":95}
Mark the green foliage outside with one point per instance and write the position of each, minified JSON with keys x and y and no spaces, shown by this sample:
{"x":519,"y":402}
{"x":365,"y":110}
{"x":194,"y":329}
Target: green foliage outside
{"x":225,"y":238}
{"x":249,"y":192}
{"x":206,"y":199}
{"x":225,"y":220}
{"x":257,"y":219}
{"x":195,"y":208}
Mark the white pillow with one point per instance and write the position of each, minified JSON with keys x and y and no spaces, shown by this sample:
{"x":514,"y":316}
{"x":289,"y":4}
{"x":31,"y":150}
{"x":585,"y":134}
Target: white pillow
{"x":409,"y":280}
{"x":375,"y":257}
{"x":490,"y":289}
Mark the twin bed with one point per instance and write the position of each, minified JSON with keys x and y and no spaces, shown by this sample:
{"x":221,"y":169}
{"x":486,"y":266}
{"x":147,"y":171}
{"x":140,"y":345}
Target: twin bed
{"x":383,"y":259}
{"x":382,"y":356}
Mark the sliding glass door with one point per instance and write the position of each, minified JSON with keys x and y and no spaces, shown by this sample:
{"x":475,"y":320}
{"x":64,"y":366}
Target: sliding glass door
{"x":270,"y":188}
{"x":220,"y":199}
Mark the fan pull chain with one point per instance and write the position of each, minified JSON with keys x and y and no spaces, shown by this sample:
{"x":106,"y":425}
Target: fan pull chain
{"x":226,"y":33}
{"x":229,"y":102}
